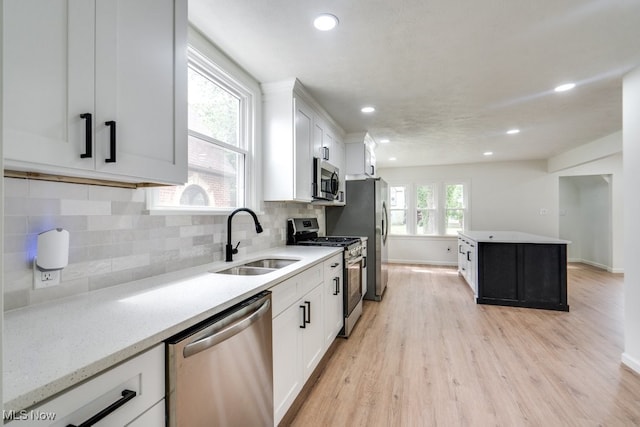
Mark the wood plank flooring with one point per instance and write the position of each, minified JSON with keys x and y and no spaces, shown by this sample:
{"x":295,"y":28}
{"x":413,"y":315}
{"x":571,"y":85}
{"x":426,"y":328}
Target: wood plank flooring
{"x":427,"y":355}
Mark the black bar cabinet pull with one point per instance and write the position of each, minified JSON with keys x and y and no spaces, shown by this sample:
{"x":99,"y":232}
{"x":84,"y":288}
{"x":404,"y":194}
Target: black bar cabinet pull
{"x":304,"y":316}
{"x":336,"y":280}
{"x":308,"y":319}
{"x":112,"y":141}
{"x":88,"y":144}
{"x":127,"y":395}
{"x":468,"y":254}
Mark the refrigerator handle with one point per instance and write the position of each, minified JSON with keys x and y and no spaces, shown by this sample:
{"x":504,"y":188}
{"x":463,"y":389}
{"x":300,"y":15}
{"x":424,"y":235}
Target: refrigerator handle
{"x":385,"y":223}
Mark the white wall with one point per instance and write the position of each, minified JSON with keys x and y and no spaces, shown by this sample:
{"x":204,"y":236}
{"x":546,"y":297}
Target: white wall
{"x":585,"y":218}
{"x":631,"y":143}
{"x":575,"y":163}
{"x":504,"y":196}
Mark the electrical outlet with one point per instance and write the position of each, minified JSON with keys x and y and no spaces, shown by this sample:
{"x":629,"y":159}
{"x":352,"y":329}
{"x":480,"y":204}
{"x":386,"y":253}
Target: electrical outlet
{"x":45,"y":279}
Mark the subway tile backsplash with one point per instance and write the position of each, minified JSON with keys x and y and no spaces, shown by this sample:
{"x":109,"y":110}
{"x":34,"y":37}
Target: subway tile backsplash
{"x":114,"y":239}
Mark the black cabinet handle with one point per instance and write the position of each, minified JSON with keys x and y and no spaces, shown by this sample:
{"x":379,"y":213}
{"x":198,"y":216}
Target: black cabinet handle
{"x":304,"y":316}
{"x":364,"y":262}
{"x":334,"y":265}
{"x":112,"y":141}
{"x":127,"y":395}
{"x":336,"y":280}
{"x":373,"y":170}
{"x":88,"y":144}
{"x":308,"y":319}
{"x":468,"y":254}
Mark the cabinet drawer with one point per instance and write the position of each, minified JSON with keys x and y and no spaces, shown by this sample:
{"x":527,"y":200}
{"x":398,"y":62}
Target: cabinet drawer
{"x":143,"y":374}
{"x":283,"y":295}
{"x":309,"y":279}
{"x":332,"y":267}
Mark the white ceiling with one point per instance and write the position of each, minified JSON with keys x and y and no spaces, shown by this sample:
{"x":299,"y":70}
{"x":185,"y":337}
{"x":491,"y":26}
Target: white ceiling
{"x":448,"y":78}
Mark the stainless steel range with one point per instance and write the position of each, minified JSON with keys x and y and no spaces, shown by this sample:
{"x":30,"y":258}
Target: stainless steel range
{"x":304,"y":232}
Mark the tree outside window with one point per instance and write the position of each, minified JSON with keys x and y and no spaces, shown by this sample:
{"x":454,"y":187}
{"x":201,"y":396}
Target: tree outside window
{"x":426,"y":213}
{"x":455,"y":208}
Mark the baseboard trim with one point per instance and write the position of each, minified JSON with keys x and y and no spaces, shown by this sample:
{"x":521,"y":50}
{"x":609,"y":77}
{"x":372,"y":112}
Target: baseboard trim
{"x":631,"y":362}
{"x":423,"y":262}
{"x":597,"y":265}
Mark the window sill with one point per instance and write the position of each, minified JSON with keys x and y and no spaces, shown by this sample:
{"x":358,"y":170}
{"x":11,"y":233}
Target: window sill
{"x":424,"y":236}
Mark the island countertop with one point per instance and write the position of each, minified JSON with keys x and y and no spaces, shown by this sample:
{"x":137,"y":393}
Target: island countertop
{"x":510,"y":237}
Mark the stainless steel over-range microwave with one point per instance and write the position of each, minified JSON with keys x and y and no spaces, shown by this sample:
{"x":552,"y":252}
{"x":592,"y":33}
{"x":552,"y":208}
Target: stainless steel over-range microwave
{"x":326,"y":180}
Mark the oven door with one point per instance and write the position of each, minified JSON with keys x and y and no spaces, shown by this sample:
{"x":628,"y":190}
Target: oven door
{"x":352,"y":284}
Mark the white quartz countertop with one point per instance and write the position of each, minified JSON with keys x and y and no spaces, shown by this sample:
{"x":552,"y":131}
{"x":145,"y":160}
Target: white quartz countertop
{"x":51,"y":347}
{"x":510,"y":237}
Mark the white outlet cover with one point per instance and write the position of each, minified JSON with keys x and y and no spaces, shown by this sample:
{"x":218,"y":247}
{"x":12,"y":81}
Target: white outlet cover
{"x":40,"y":278}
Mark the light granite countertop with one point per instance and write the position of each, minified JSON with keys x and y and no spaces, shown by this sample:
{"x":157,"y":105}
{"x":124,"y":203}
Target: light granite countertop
{"x":510,"y":237}
{"x":53,"y":346}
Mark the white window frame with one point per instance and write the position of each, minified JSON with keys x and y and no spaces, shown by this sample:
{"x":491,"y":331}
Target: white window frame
{"x":411,"y":196}
{"x":210,"y":66}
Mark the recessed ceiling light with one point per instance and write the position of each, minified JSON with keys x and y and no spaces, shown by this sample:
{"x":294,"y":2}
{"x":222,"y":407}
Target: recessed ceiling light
{"x":488,"y":153}
{"x":393,"y":159}
{"x":513,"y":131}
{"x":367,"y":110}
{"x":325,"y":22}
{"x":565,"y":87}
{"x":384,"y":141}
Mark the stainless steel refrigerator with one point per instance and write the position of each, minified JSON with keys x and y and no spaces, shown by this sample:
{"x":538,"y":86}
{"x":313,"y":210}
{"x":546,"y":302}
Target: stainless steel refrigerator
{"x":365,"y":214}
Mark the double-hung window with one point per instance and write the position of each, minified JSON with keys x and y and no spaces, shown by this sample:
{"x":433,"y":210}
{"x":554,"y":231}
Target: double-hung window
{"x":432,"y":209}
{"x":219,"y":142}
{"x":426,"y":209}
{"x":398,"y":209}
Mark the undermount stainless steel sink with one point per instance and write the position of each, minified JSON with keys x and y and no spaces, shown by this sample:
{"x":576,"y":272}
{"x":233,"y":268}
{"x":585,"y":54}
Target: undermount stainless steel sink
{"x":271,"y":263}
{"x":257,"y":267}
{"x":242,"y":270}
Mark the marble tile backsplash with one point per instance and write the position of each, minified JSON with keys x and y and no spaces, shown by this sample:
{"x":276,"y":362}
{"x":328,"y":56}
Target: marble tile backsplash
{"x":114,"y":239}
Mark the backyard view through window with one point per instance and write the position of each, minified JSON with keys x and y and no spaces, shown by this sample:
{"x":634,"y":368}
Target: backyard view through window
{"x":428,"y":209}
{"x":217,"y":153}
{"x":398,"y":210}
{"x":454,"y":211}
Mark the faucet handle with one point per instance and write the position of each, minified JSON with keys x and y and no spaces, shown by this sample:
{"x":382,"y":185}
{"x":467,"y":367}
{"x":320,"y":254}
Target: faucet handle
{"x":235,"y":250}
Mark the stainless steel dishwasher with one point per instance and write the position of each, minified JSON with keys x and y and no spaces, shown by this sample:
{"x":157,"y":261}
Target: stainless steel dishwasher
{"x":220,"y":372}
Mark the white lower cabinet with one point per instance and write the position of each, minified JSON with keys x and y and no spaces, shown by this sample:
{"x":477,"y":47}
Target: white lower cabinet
{"x":143,"y":374}
{"x":333,"y":299}
{"x":301,"y":311}
{"x":468,"y":263}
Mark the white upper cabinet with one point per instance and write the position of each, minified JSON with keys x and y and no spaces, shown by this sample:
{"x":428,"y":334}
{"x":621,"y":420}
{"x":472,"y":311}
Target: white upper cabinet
{"x":296,"y":129}
{"x":360,"y":153}
{"x":288,"y":142}
{"x":96,"y":88}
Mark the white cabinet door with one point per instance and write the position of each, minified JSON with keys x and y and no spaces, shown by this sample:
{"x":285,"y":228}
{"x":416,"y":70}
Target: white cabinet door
{"x":287,"y":363}
{"x":154,"y":417}
{"x":73,"y":63}
{"x":303,"y":145}
{"x":333,"y":299}
{"x":313,"y":332}
{"x":141,"y":87}
{"x":48,"y":81}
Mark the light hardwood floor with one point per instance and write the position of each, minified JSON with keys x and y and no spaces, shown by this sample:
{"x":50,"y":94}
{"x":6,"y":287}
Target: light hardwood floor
{"x":427,"y":355}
